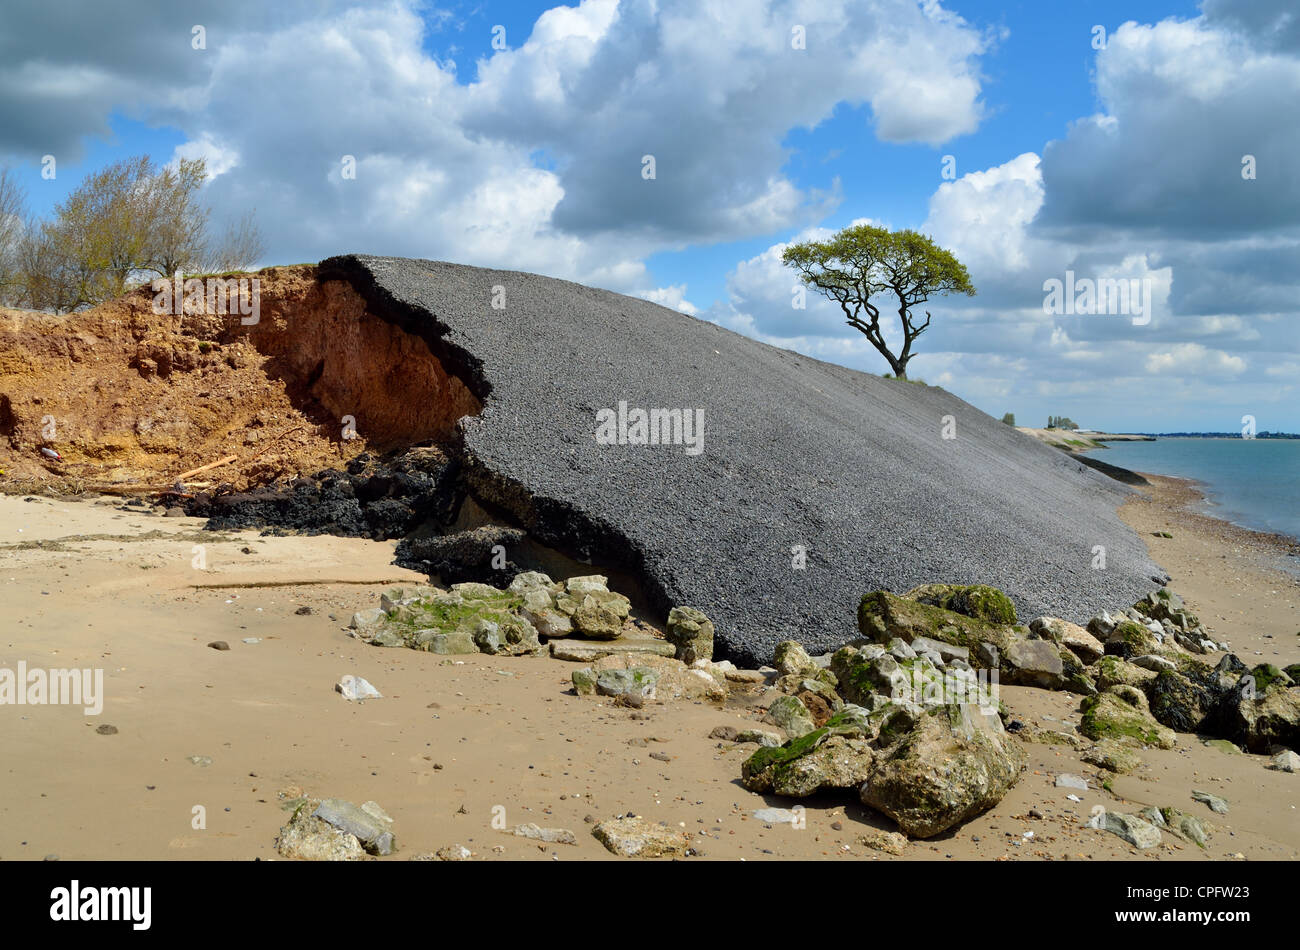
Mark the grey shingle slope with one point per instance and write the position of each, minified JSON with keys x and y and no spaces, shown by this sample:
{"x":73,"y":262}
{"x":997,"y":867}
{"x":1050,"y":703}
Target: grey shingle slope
{"x":796,"y":452}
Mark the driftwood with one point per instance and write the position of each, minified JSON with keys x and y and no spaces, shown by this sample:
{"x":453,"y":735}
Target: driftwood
{"x":203,"y":468}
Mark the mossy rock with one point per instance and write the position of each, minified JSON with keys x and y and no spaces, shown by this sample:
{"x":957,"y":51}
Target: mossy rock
{"x":1266,"y":675}
{"x":972,"y":600}
{"x":1110,"y":716}
{"x":883,"y":616}
{"x":1139,"y":638}
{"x":1114,"y":756}
{"x":1114,"y":671}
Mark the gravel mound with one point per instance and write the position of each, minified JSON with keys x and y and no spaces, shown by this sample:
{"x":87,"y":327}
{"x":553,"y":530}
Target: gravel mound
{"x":797,"y":454}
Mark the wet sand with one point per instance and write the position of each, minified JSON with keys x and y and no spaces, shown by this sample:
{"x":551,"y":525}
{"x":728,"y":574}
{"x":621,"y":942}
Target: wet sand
{"x":456,"y":739}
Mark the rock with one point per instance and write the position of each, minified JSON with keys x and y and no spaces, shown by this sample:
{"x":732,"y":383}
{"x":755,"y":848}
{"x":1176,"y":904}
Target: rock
{"x":584,"y":682}
{"x":777,"y":816}
{"x":1285,"y":761}
{"x":1034,"y":663}
{"x":1184,"y":825}
{"x":356,"y":688}
{"x":824,"y":758}
{"x":107,"y":730}
{"x":446,"y":642}
{"x":638,"y":838}
{"x":364,"y":621}
{"x":882,"y":616}
{"x":597,"y":621}
{"x":1152,"y":816}
{"x":549,"y":621}
{"x":1216,"y":804}
{"x":307,"y":838}
{"x":202,"y":761}
{"x":900,"y":650}
{"x":455,"y":852}
{"x":1114,"y":671}
{"x":1132,"y":829}
{"x":581,"y":651}
{"x":1271,"y":717}
{"x":1184,"y":703}
{"x":946,"y":652}
{"x":791,"y":659}
{"x":1114,"y":756}
{"x":957,"y":763}
{"x":1102,"y":625}
{"x":374,"y":833}
{"x":1071,"y":636}
{"x":530,"y":580}
{"x":1130,"y":639}
{"x":636,"y":684}
{"x":1112,"y":716}
{"x":548,"y":835}
{"x":1065,"y":780}
{"x":792,"y":716}
{"x":973,"y":600}
{"x":890,"y":842}
{"x":861,"y":673}
{"x":219,"y":645}
{"x":579,"y":587}
{"x":768,"y":740}
{"x":692,"y":633}
{"x":1152,"y":662}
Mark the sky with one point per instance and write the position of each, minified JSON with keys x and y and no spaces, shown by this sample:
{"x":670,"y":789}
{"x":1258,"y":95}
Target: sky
{"x":1082,"y":141}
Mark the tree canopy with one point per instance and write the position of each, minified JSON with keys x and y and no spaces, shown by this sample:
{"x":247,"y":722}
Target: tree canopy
{"x":125,"y":222}
{"x":863,"y":262}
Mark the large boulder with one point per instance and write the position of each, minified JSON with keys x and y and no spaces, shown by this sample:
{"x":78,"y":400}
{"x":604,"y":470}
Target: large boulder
{"x":882,"y":616}
{"x":1260,"y":718}
{"x":838,"y":755}
{"x":974,"y":600}
{"x":957,"y":763}
{"x":1122,"y":716}
{"x":1034,"y":663}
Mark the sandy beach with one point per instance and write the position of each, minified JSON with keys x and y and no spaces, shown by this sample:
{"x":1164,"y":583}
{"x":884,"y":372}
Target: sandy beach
{"x":456,"y":739}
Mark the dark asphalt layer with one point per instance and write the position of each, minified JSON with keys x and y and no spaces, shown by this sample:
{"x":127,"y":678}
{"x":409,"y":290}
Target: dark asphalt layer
{"x":851,"y":466}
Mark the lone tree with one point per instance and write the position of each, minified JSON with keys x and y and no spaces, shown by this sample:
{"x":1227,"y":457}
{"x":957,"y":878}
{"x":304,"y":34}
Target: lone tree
{"x":862,"y":262}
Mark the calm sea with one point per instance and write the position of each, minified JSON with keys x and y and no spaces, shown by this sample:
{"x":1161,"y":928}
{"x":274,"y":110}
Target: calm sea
{"x":1251,"y":482}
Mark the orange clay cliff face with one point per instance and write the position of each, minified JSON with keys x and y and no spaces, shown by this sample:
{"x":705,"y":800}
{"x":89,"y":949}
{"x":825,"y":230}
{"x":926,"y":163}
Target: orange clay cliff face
{"x":130,"y":398}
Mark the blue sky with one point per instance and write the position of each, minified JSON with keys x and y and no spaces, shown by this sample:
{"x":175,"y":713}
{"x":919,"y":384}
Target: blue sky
{"x":1067,"y":158}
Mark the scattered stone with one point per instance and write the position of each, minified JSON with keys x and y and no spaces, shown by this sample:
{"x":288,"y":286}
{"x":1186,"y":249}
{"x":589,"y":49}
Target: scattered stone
{"x":549,"y":835}
{"x":202,"y":761}
{"x":1184,"y":825}
{"x":1114,"y":756}
{"x":1285,"y":761}
{"x":768,"y":740}
{"x":1132,"y":829}
{"x":1071,"y":636}
{"x":890,"y":842}
{"x":1065,"y":780}
{"x":1216,"y":804}
{"x":776,"y":816}
{"x":637,"y":838}
{"x":219,"y":645}
{"x":355,"y":688}
{"x":251,"y":641}
{"x":107,"y":730}
{"x":303,"y":611}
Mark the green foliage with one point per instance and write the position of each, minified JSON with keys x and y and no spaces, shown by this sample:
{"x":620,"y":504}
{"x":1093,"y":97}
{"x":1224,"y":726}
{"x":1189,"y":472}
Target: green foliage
{"x":1009,"y":418}
{"x":124,"y":223}
{"x":864,"y":262}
